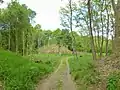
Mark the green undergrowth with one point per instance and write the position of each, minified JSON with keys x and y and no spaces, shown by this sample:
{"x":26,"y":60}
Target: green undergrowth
{"x":19,"y":73}
{"x":50,"y":60}
{"x":113,"y":81}
{"x":84,"y":71}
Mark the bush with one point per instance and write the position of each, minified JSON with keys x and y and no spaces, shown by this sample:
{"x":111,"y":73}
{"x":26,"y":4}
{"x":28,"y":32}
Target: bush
{"x":113,"y":81}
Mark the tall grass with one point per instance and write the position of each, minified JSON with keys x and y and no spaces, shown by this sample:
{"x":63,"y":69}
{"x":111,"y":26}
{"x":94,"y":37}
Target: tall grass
{"x":51,"y":60}
{"x":19,"y":73}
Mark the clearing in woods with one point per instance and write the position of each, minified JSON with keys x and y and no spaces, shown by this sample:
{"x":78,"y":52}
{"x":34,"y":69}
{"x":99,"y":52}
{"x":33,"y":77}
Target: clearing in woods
{"x":59,"y":80}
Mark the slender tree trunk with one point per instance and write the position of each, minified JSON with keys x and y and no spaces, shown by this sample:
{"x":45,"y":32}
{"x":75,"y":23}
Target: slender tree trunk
{"x":91,"y":34}
{"x":102,"y":40}
{"x":27,"y":47}
{"x":38,"y":42}
{"x":59,"y":46}
{"x":112,"y":35}
{"x":98,"y":40}
{"x":16,"y":38}
{"x":114,"y":26}
{"x":94,"y":29}
{"x":31,"y":45}
{"x":70,"y":5}
{"x":23,"y":47}
{"x":9,"y":40}
{"x":71,"y":29}
{"x":27,"y":43}
{"x":112,"y":42}
{"x":107,"y":34}
{"x":96,"y":46}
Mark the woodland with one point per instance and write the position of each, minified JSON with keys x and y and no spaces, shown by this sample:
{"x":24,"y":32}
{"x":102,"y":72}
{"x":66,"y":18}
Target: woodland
{"x":82,"y":55}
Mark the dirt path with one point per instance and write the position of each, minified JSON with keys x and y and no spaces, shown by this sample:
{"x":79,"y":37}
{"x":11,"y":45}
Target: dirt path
{"x":59,"y":80}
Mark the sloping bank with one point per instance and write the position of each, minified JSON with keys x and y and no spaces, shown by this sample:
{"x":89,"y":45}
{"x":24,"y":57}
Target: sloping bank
{"x":18,"y":73}
{"x":84,"y":72}
{"x":109,"y":68}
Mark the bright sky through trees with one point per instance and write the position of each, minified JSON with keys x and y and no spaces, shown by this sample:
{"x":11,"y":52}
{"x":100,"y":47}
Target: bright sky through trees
{"x":47,"y":11}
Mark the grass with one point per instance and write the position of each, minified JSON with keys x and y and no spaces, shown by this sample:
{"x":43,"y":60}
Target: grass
{"x":19,"y":73}
{"x":84,"y":71}
{"x":51,"y":60}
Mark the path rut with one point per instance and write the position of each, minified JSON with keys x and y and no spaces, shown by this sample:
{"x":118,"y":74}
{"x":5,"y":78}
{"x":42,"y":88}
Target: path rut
{"x":59,"y":80}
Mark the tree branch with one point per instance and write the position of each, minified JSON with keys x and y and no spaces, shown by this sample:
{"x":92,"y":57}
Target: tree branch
{"x":113,"y":5}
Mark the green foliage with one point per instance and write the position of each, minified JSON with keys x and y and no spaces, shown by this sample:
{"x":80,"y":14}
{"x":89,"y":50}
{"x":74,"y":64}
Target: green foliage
{"x":19,"y":73}
{"x":84,"y":71}
{"x":101,"y":20}
{"x":52,"y":60}
{"x":18,"y":35}
{"x":16,"y":29}
{"x":113,"y":81}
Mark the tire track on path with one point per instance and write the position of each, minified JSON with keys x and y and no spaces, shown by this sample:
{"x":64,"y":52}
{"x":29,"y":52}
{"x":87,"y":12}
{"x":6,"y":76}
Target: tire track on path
{"x":60,"y":79}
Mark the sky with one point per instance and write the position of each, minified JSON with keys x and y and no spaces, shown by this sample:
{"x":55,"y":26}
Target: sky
{"x":47,"y":11}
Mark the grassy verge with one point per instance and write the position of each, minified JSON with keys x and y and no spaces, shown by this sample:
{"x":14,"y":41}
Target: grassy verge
{"x":19,"y":73}
{"x":50,"y":60}
{"x":84,"y":72}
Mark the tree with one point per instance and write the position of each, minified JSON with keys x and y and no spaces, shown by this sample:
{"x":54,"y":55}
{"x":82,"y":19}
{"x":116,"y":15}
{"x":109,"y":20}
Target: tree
{"x":67,"y":21}
{"x":108,"y":29}
{"x":90,"y":26}
{"x":99,"y":22}
{"x":116,"y":8}
{"x":58,"y":37}
{"x":38,"y":27}
{"x":16,"y":23}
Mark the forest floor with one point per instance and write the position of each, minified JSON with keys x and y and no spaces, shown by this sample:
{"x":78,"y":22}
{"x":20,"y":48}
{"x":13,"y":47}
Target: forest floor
{"x":58,"y":80}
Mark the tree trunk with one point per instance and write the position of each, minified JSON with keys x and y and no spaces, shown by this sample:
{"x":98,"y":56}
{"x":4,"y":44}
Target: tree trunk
{"x":98,"y":39}
{"x":9,"y":40}
{"x":16,"y":38}
{"x":91,"y":34}
{"x":59,"y":46}
{"x":112,"y":42}
{"x":27,"y":47}
{"x":107,"y":34}
{"x":70,"y":5}
{"x":31,"y":45}
{"x":38,"y":42}
{"x":117,"y":26}
{"x":23,"y":47}
{"x":73,"y":37}
{"x":95,"y":40}
{"x":96,"y":46}
{"x":94,"y":29}
{"x":112,"y":35}
{"x":102,"y":40}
